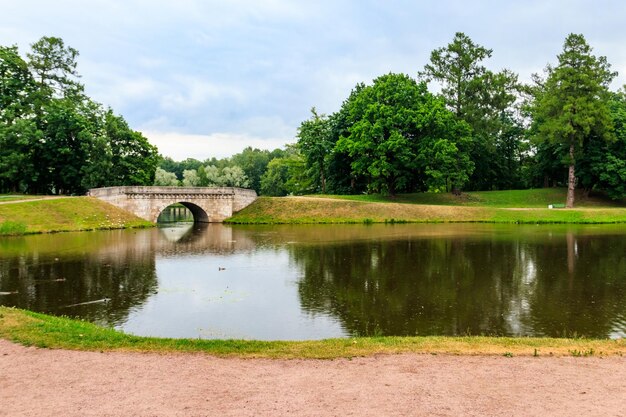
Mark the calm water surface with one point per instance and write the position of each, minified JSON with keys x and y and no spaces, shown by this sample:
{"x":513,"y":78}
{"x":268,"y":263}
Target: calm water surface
{"x":313,"y":282}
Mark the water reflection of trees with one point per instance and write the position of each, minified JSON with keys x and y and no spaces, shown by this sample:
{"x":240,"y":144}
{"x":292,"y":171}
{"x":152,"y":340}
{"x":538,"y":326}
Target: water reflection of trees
{"x":467,"y":285}
{"x":583,"y":287}
{"x":84,"y":267}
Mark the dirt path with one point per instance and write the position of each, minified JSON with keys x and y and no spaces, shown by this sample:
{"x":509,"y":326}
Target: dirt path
{"x":40,"y":382}
{"x":26,"y":200}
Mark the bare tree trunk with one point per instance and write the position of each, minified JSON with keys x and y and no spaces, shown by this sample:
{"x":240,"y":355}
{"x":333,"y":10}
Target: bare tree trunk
{"x":571,"y":179}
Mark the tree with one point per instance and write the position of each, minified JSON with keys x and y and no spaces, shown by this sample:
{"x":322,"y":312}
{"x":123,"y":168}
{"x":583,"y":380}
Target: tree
{"x":16,"y":85}
{"x":481,"y":98}
{"x":602,"y":165}
{"x":393,"y":122}
{"x":18,"y":130}
{"x":190,"y":178}
{"x":133,"y":158}
{"x":165,"y":178}
{"x":54,"y":67}
{"x":53,"y":138}
{"x":254,"y":164}
{"x":213,"y":176}
{"x":286,"y":175}
{"x":571,"y":105}
{"x":457,"y":68}
{"x":315,"y":143}
{"x":234,"y":177}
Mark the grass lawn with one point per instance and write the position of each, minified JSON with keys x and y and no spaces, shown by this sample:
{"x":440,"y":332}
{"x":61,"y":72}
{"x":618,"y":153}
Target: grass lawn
{"x":537,"y":198}
{"x":528,"y":206}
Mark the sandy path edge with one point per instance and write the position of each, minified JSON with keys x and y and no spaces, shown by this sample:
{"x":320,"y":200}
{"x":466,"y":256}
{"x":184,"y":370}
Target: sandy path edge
{"x":42,"y":382}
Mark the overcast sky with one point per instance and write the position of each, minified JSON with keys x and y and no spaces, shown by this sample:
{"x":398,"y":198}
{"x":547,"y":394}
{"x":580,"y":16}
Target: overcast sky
{"x":208,"y":78}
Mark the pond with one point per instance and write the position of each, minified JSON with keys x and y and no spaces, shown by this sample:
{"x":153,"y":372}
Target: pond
{"x":320,"y":281}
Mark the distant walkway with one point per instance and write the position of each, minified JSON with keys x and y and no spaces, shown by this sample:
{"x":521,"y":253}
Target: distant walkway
{"x":25,"y":200}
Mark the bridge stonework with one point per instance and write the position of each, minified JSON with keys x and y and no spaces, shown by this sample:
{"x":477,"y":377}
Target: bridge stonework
{"x":207,"y":204}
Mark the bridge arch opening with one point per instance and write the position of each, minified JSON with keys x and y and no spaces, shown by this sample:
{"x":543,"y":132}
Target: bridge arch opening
{"x":181,"y":212}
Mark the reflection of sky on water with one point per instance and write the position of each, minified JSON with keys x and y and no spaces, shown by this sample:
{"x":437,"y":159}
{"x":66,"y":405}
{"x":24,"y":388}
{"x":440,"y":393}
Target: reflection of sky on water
{"x":253,"y":297}
{"x":176,"y":231}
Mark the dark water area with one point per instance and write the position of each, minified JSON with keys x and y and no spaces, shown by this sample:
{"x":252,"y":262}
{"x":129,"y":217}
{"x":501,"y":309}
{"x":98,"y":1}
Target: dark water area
{"x":320,"y":281}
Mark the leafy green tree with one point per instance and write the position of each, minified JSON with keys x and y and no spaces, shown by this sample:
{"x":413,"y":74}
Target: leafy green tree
{"x":315,"y":143}
{"x":572,"y":104}
{"x":286,"y":175}
{"x":53,"y":138}
{"x":133,"y":158}
{"x":484,"y":100}
{"x":16,"y":143}
{"x":442,"y":168}
{"x":18,"y":131}
{"x":16,"y":85}
{"x":457,"y":67}
{"x":165,"y":178}
{"x":602,"y":165}
{"x":273,"y":181}
{"x":54,"y":67}
{"x":380,"y":138}
{"x":234,"y":177}
{"x":213,"y":176}
{"x":254,"y":163}
{"x":190,"y":178}
{"x":203,"y":181}
{"x":393,"y":122}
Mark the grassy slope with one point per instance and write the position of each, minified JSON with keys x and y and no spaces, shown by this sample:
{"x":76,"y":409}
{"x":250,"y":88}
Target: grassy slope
{"x":538,"y":198}
{"x":40,"y":330}
{"x":66,"y":214}
{"x":525,"y":206}
{"x":316,"y":210}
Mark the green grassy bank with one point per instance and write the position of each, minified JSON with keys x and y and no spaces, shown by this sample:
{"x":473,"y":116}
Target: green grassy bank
{"x":40,"y":330}
{"x":64,"y":214}
{"x":525,"y":206}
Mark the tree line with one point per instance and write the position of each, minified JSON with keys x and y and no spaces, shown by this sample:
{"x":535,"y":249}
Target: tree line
{"x":484,"y":130}
{"x":54,"y":139}
{"x":252,"y":168}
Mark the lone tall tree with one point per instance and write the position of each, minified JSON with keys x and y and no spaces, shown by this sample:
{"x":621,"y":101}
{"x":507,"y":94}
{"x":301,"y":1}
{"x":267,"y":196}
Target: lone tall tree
{"x":572,"y":104}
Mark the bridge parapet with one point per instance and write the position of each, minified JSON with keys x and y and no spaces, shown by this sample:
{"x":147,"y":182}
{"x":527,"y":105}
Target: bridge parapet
{"x":208,"y":204}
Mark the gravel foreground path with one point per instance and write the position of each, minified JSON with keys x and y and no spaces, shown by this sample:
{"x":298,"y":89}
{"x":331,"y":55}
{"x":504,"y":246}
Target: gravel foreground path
{"x":41,"y":382}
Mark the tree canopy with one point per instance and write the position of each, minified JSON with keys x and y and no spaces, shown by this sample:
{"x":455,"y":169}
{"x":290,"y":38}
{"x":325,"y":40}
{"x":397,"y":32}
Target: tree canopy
{"x":55,"y":139}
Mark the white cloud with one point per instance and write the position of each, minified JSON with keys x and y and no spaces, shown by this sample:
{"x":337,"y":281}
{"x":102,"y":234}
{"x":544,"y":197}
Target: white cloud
{"x":185,"y":92}
{"x":179,"y":146}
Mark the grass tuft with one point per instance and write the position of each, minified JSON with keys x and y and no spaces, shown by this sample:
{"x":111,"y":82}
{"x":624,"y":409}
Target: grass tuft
{"x":12,"y":228}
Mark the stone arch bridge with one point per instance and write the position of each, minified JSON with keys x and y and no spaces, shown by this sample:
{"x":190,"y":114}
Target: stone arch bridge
{"x":207,"y":204}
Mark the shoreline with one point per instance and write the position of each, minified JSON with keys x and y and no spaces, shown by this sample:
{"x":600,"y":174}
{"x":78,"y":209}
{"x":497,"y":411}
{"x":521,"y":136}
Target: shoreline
{"x":40,"y":330}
